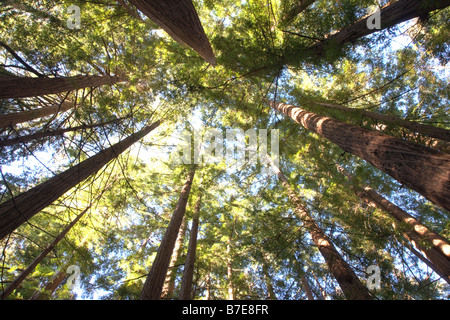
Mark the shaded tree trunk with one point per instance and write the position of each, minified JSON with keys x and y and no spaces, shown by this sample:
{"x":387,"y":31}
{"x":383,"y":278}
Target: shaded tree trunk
{"x":435,"y":247}
{"x":155,"y":280}
{"x":19,"y":209}
{"x":169,"y":284}
{"x":11,"y":119}
{"x":13,"y":285}
{"x":230,"y":295}
{"x":180,"y":20}
{"x":22,"y":87}
{"x":296,"y":10}
{"x":420,"y":168}
{"x":51,"y":287}
{"x":351,"y":286}
{"x":268,"y":282}
{"x":186,"y":282}
{"x":306,"y":288}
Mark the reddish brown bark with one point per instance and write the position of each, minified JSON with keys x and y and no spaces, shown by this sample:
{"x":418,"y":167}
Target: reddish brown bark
{"x":155,"y":280}
{"x":18,"y":210}
{"x":420,"y":168}
{"x":180,"y":20}
{"x":22,"y":87}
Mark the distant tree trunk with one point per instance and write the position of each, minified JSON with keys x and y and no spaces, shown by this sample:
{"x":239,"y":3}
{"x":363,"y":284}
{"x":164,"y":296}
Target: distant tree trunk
{"x":53,"y":133}
{"x":11,"y":119}
{"x":391,"y":14}
{"x":420,"y":168}
{"x":22,"y":87}
{"x":305,"y":286}
{"x":431,"y":131}
{"x":351,"y":286}
{"x":296,"y":10}
{"x":180,"y":20}
{"x":435,"y":247}
{"x":169,"y":283}
{"x":51,"y":287}
{"x":268,"y":282}
{"x":155,"y":280}
{"x":19,"y":209}
{"x":188,"y":274}
{"x":13,"y":285}
{"x":230,"y":295}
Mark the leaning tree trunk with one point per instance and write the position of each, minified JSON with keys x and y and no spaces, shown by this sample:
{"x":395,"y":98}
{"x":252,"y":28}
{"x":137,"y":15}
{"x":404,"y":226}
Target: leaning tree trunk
{"x":13,"y":285}
{"x":350,"y":284}
{"x":420,"y":168}
{"x":296,"y":10}
{"x":432,"y":245}
{"x":155,"y":280}
{"x":180,"y":20}
{"x":50,"y":287}
{"x":19,"y":209}
{"x":188,"y":274}
{"x":169,"y":283}
{"x":23,"y":87}
{"x":11,"y":119}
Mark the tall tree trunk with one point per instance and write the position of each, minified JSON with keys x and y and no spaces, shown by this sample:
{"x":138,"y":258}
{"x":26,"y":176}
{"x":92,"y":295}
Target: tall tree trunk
{"x":180,"y":20}
{"x":348,"y":281}
{"x":155,"y":280}
{"x":230,"y":295}
{"x":435,"y":247}
{"x":11,"y":119}
{"x":53,"y":133}
{"x":431,"y":131}
{"x":391,"y":14}
{"x":169,"y":283}
{"x":51,"y":287}
{"x":188,"y":274}
{"x":420,"y":168}
{"x":19,"y":209}
{"x":296,"y":10}
{"x":22,"y":87}
{"x":13,"y":285}
{"x":305,"y":286}
{"x":268,"y":282}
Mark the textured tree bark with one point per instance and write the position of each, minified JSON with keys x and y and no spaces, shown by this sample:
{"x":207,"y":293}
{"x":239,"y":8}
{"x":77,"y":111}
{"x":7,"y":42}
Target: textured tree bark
{"x":169,"y":283}
{"x":155,"y":280}
{"x":437,"y":248}
{"x":23,"y":87}
{"x":350,"y":284}
{"x":188,"y":275}
{"x":180,"y":20}
{"x":19,"y":209}
{"x":12,"y":119}
{"x":420,"y":168}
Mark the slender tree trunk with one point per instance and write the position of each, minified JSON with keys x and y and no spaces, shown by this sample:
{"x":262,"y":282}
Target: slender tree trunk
{"x":351,"y":286}
{"x":305,"y":286}
{"x":53,"y":133}
{"x":434,"y":132}
{"x":169,"y":283}
{"x":186,"y":282}
{"x":208,"y":284}
{"x":435,"y":247}
{"x":230,"y":295}
{"x":22,"y":87}
{"x":13,"y":285}
{"x":155,"y":280}
{"x":420,"y":168}
{"x":51,"y":287}
{"x":180,"y":20}
{"x":390,"y":15}
{"x":268,"y":282}
{"x":8,"y":120}
{"x":19,"y":209}
{"x":296,"y":10}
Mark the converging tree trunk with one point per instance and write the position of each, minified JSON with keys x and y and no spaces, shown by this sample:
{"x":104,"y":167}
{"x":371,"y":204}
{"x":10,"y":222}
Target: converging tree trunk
{"x":420,"y":168}
{"x":296,"y":10}
{"x":180,"y":20}
{"x":23,"y":87}
{"x":50,"y":287}
{"x":19,"y":209}
{"x":350,"y":284}
{"x":155,"y":280}
{"x":432,"y":245}
{"x":188,"y":274}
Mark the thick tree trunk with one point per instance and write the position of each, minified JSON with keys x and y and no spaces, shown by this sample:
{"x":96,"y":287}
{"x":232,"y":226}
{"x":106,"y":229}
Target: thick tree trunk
{"x":434,"y":132}
{"x":188,"y":275}
{"x":351,"y":286}
{"x":155,"y":280}
{"x":169,"y":283}
{"x":22,"y":87}
{"x":420,"y":168}
{"x":180,"y":20}
{"x":435,"y":247}
{"x":11,"y":119}
{"x":391,"y":14}
{"x":13,"y":285}
{"x":19,"y":209}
